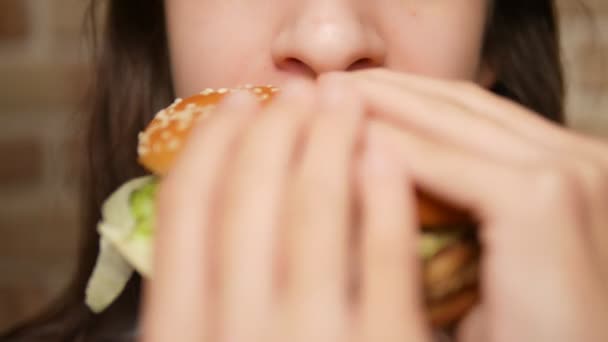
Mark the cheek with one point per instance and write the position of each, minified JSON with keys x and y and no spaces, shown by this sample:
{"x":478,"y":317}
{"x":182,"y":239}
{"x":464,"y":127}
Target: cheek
{"x":442,"y":42}
{"x":207,"y":44}
{"x":208,"y":63}
{"x":211,"y":44}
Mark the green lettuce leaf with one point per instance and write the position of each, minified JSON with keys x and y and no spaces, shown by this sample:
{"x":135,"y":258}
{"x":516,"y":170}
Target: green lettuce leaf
{"x":430,"y":243}
{"x":126,"y":242}
{"x":110,"y":275}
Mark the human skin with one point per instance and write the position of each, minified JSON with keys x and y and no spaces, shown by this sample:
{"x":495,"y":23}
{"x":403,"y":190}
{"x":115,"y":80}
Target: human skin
{"x":218,"y":43}
{"x":256,"y":185}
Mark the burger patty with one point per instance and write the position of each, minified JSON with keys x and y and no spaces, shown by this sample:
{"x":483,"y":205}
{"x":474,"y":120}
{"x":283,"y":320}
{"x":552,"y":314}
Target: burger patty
{"x":450,"y":273}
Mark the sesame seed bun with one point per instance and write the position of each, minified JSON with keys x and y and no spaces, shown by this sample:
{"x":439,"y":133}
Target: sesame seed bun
{"x":163,"y":138}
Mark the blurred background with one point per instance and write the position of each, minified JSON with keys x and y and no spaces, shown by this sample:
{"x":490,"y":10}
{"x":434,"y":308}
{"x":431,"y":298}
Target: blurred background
{"x":43,"y":70}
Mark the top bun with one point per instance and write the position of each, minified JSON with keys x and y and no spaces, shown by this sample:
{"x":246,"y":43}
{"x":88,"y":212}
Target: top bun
{"x":163,"y":138}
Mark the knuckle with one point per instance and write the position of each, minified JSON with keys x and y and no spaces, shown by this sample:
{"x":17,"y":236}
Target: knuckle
{"x":556,"y":187}
{"x":595,"y":181}
{"x":593,"y":175}
{"x":379,"y":134}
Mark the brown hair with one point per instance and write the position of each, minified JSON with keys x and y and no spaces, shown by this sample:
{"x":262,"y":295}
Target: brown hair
{"x":132,"y":81}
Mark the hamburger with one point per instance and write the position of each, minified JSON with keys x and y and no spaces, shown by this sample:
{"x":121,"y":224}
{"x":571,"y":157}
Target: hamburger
{"x":448,"y":246}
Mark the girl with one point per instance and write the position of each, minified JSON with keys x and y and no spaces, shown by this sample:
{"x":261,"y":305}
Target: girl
{"x":459,"y":98}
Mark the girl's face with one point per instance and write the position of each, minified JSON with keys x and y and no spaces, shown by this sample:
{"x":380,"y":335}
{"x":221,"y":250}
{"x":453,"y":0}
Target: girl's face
{"x":224,"y":43}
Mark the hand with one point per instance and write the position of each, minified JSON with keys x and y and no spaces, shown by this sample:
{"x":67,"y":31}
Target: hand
{"x":253,"y":229}
{"x":540,"y":192}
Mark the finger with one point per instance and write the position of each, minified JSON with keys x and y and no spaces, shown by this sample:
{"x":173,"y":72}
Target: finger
{"x":391,"y":297}
{"x":445,"y":119}
{"x":593,"y":180}
{"x":495,"y":192}
{"x":504,"y":130}
{"x":249,"y":223}
{"x":474,"y":326}
{"x":503,"y":112}
{"x":177,"y":299}
{"x":529,"y":217}
{"x":560,"y":181}
{"x":319,"y":219}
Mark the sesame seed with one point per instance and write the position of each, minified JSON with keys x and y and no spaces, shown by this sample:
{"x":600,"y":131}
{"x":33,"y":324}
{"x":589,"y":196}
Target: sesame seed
{"x":142,"y":150}
{"x":173,"y":145}
{"x":182,"y":125}
{"x":222,"y":91}
{"x":152,"y":128}
{"x":257,"y":91}
{"x":205,"y":111}
{"x":184,"y":115}
{"x":164,"y":122}
{"x":165,"y":135}
{"x":142,"y":137}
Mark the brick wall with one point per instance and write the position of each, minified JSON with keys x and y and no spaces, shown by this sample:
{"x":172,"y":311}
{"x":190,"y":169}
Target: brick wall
{"x":584,"y":26}
{"x":42,"y":70}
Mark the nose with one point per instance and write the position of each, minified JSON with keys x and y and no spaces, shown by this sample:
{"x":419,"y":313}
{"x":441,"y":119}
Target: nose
{"x":326,"y":35}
